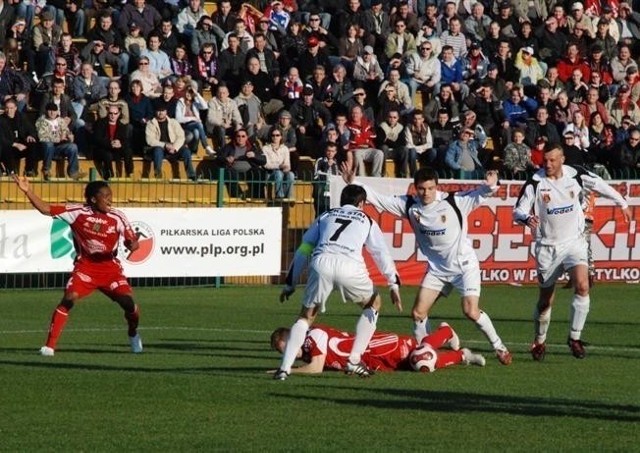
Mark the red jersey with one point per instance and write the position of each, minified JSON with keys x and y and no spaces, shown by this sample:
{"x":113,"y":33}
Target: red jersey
{"x":96,"y":235}
{"x":386,"y":351}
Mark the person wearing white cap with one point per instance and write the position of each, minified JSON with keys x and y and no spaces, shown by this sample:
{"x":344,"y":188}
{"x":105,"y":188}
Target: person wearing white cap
{"x":578,"y":16}
{"x":530,"y":70}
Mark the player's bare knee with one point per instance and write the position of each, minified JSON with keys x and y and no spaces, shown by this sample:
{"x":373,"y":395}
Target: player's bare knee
{"x":419,"y":314}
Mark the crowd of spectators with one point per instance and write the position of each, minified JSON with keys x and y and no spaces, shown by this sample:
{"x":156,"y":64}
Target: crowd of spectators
{"x":459,"y":85}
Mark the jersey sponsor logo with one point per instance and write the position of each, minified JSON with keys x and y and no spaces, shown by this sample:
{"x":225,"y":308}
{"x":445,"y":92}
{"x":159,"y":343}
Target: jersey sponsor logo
{"x":61,"y":240}
{"x":146,"y":241}
{"x":426,"y":232}
{"x":96,"y":220}
{"x":560,"y":210}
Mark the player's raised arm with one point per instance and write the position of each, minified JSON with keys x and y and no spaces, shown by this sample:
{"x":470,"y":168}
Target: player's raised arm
{"x":23,"y":184}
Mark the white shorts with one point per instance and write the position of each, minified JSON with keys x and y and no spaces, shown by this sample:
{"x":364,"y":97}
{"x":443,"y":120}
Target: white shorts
{"x":553,"y":260}
{"x":467,"y":283}
{"x":329,"y":272}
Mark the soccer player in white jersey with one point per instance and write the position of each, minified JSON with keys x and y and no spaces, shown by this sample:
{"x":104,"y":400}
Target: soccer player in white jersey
{"x":439,"y":221}
{"x":335,"y":241}
{"x":550,"y":203}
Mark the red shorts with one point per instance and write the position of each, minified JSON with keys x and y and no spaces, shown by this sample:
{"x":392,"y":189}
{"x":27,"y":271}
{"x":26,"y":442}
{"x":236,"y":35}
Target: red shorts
{"x":105,"y":276}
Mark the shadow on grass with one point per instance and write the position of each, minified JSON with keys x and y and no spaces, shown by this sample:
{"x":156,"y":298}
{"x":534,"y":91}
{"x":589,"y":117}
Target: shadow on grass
{"x":438,"y":401}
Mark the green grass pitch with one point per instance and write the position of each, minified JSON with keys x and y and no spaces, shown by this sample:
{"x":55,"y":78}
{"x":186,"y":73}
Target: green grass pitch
{"x":201,"y":382}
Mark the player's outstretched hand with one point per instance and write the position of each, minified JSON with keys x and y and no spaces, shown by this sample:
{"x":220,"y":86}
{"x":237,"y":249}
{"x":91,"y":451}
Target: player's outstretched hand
{"x":395,"y":297}
{"x":287,"y":291}
{"x":347,"y":172}
{"x":21,"y":182}
{"x":626,"y":215}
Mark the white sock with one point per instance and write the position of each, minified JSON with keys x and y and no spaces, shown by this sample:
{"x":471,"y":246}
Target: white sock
{"x":541,"y":323}
{"x":365,"y":328}
{"x":421,"y":329}
{"x":294,"y":343}
{"x":578,"y":315}
{"x":486,"y":327}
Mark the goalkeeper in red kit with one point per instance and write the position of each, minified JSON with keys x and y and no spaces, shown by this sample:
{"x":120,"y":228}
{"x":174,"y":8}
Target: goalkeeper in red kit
{"x":97,"y":229}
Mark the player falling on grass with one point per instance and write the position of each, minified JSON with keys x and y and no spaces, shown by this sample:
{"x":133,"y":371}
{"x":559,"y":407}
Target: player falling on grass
{"x":439,"y":222}
{"x":97,"y":229}
{"x":335,"y":241}
{"x":326,"y":348}
{"x":550,"y":203}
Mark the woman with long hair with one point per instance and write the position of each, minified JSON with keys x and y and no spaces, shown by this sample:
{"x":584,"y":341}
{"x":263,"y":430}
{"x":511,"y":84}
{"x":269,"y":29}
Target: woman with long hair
{"x":188,"y":115}
{"x":278,"y":165}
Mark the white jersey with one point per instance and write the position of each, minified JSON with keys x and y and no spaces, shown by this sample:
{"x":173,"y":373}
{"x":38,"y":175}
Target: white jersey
{"x":345,"y":231}
{"x":440,"y":227}
{"x":558,"y":203}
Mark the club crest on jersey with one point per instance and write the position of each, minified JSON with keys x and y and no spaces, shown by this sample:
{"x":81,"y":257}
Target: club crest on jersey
{"x":571,"y":194}
{"x":443,"y":218}
{"x":96,"y":227}
{"x":546,"y":198}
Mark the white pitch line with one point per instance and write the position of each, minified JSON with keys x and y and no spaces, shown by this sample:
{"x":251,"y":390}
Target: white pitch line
{"x":213,"y":329}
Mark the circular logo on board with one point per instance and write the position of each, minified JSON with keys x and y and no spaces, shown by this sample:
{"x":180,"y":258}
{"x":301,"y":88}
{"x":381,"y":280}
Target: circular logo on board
{"x":146,"y":240}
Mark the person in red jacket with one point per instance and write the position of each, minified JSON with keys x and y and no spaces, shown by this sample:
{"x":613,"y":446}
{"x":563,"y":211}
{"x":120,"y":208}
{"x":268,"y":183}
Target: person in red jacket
{"x":572,"y":61}
{"x":362,"y":143}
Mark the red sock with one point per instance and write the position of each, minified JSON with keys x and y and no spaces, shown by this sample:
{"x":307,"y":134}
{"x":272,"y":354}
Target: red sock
{"x":438,"y":338}
{"x":58,"y":320}
{"x":448,"y":358}
{"x":132,"y":319}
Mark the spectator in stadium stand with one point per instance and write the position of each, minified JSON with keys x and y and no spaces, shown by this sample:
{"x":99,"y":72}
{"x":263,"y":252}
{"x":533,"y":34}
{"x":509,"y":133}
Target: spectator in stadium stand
{"x":454,"y":38}
{"x":250,"y":109}
{"x":537,"y":152}
{"x":391,"y":139}
{"x":341,"y":89}
{"x":56,"y":141}
{"x":621,"y":62}
{"x":477,"y":24}
{"x":145,"y":16}
{"x":388,"y":101}
{"x":111,"y":141}
{"x":272,"y":37}
{"x":541,"y":127}
{"x":625,"y":158}
{"x":506,"y":64}
{"x":188,"y":110}
{"x":278,"y":165}
{"x":113,"y":97}
{"x":267,"y":58}
{"x":180,"y":63}
{"x":159,"y":62}
{"x":424,"y":70}
{"x":17,"y":46}
{"x":284,"y":125}
{"x":475,"y":64}
{"x":12,"y":86}
{"x":151,"y":86}
{"x":141,"y":112}
{"x":309,"y":116}
{"x":633,"y":80}
{"x":509,"y":23}
{"x":519,"y":107}
{"x":621,"y":105}
{"x":68,"y":50}
{"x":368,"y":72}
{"x":452,"y":71}
{"x":576,"y":87}
{"x":223,"y":19}
{"x":401,"y":89}
{"x":165,"y":138}
{"x":314,"y":56}
{"x":376,"y":25}
{"x":629,"y":24}
{"x":231,"y":63}
{"x":491,"y":42}
{"x":326,"y":39}
{"x":571,"y":62}
{"x":544,"y":97}
{"x":62,"y":100}
{"x":591,"y":104}
{"x":169,"y":38}
{"x":448,"y":13}
{"x":362,"y":144}
{"x":241,"y":160}
{"x":517,"y":155}
{"x":134,"y":42}
{"x":563,"y":111}
{"x":559,"y":14}
{"x":167,"y":100}
{"x":604,"y":40}
{"x":113,"y":40}
{"x":551,"y":41}
{"x":470,"y":120}
{"x":498,"y":85}
{"x":323,"y":167}
{"x":100,"y":59}
{"x":339,"y":134}
{"x":462,"y":154}
{"x":573,"y":155}
{"x":263,"y":88}
{"x":531,"y":72}
{"x":203,"y":34}
{"x":419,"y":143}
{"x":579,"y":19}
{"x":223,"y":116}
{"x":188,"y":19}
{"x":526,"y":38}
{"x":428,"y":34}
{"x":400,"y":43}
{"x":45,"y":38}
{"x":489,"y":113}
{"x":206,"y":68}
{"x":18,"y":139}
{"x":404,"y":12}
{"x":245,"y":38}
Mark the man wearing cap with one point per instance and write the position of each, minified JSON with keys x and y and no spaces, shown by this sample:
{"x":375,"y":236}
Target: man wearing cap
{"x":314,"y":56}
{"x":475,"y":64}
{"x":621,"y":106}
{"x":309,"y":116}
{"x":376,"y":24}
{"x":166,"y":139}
{"x":604,"y":40}
{"x":509,"y":24}
{"x":578,"y":17}
{"x":56,"y":140}
{"x":530,"y":70}
{"x":45,"y":38}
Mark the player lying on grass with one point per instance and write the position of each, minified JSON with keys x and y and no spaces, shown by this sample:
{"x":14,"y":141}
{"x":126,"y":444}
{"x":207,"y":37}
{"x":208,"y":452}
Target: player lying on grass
{"x":326,"y":348}
{"x":335,"y":242}
{"x":97,"y":229}
{"x":439,"y":222}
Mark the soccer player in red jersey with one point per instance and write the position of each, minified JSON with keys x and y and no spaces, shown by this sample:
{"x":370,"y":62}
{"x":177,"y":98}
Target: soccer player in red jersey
{"x":97,"y":229}
{"x":326,"y":348}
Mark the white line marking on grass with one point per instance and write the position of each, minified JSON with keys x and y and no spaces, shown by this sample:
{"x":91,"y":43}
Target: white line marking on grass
{"x":213,"y":329}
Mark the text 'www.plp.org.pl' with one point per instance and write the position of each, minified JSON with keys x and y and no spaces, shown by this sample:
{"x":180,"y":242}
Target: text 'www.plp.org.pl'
{"x":214,"y":250}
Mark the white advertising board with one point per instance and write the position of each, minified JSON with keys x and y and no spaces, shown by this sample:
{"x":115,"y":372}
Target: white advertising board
{"x":197,"y":242}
